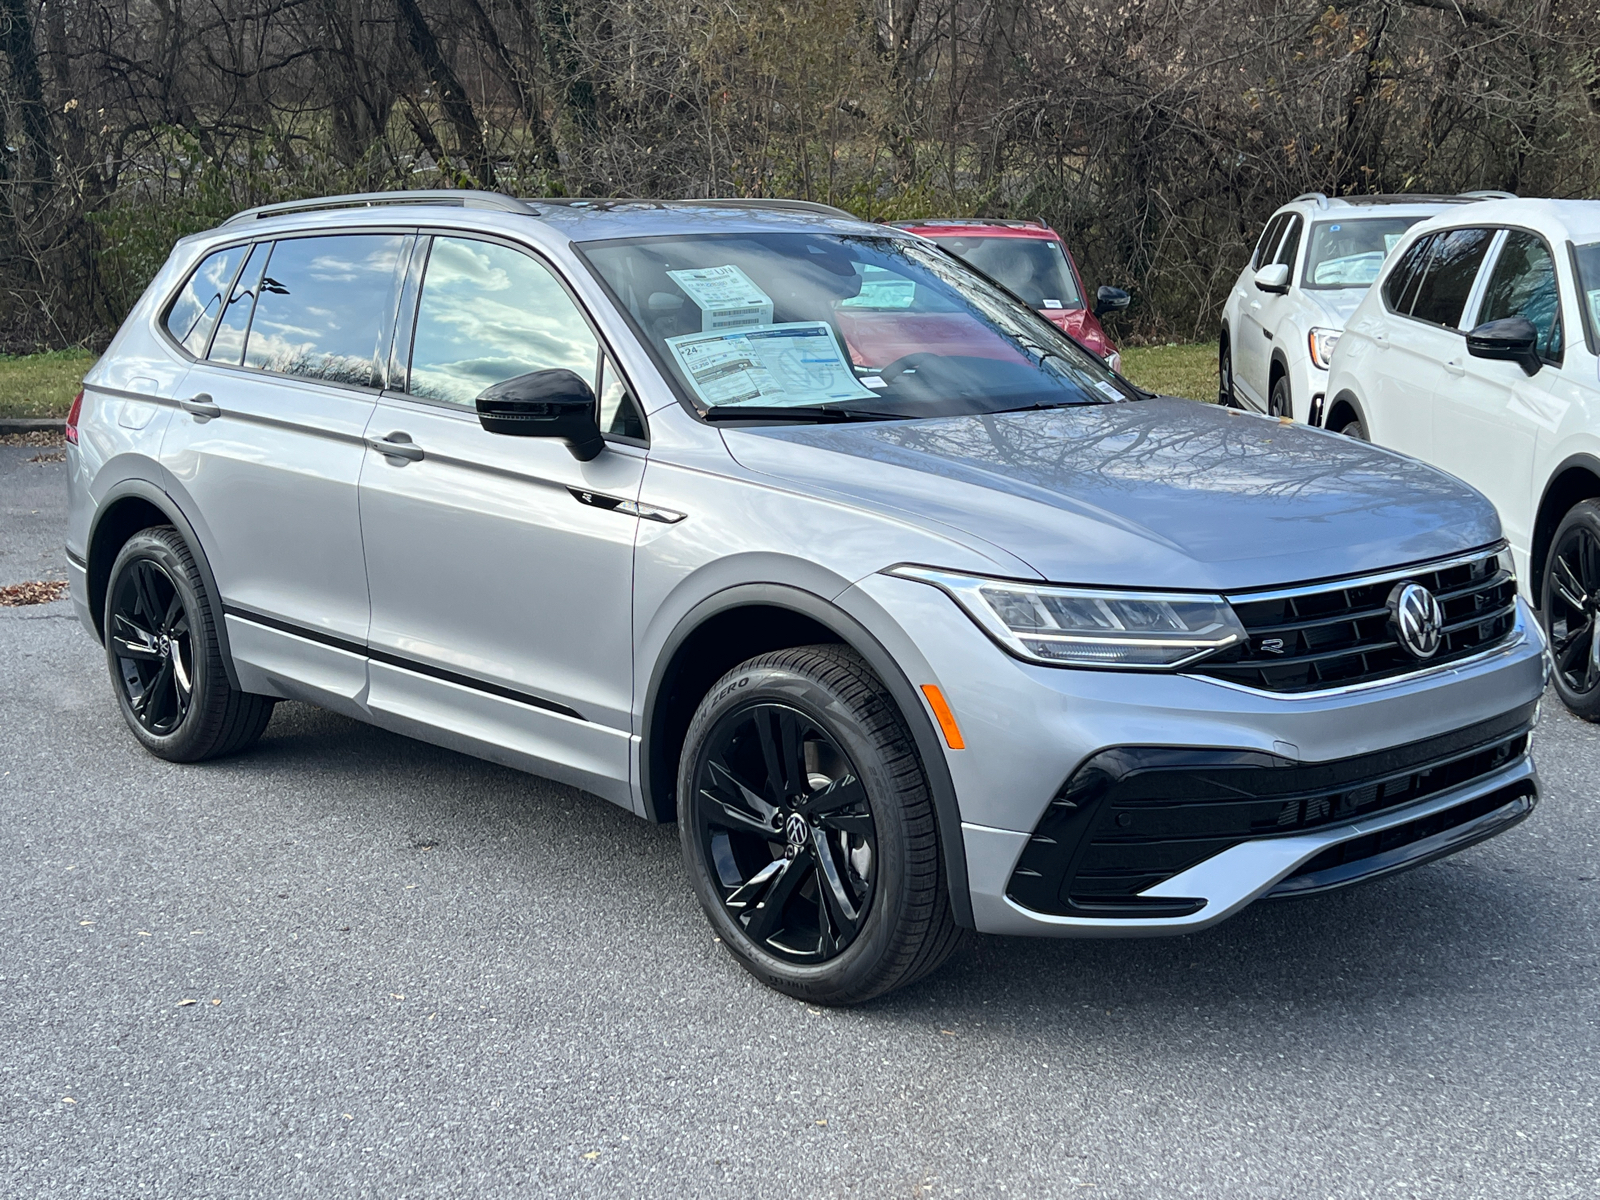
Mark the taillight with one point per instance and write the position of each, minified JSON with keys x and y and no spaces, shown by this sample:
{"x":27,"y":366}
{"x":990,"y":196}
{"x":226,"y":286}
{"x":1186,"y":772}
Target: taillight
{"x":72,"y":418}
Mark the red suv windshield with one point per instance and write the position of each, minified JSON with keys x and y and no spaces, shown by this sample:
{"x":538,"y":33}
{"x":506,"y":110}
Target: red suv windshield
{"x":1034,"y":268}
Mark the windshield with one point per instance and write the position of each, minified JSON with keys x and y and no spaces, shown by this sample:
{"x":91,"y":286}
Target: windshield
{"x":1349,"y":254}
{"x":862,"y":326}
{"x":1587,"y":259}
{"x":1034,"y":268}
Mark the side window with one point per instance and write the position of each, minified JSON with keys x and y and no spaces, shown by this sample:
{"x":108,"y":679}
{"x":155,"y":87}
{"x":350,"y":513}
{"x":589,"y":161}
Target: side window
{"x":1450,"y":275}
{"x":1523,"y":284}
{"x":1291,"y":243}
{"x":619,"y":411}
{"x":194,"y":313}
{"x":1268,"y":242}
{"x":323,"y":305}
{"x":489,"y":313}
{"x":1399,"y":289}
{"x":228,"y":345}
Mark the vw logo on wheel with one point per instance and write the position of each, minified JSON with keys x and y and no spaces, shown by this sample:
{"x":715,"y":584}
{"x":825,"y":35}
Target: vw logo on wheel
{"x":796,"y":832}
{"x":1417,"y":619}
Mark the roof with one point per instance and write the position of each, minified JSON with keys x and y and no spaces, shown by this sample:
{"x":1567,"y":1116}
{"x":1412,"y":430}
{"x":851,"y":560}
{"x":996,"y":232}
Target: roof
{"x":1561,"y":220}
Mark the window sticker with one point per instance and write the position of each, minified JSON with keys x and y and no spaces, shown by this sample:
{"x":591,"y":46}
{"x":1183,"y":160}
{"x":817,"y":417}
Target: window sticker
{"x":1052,"y":303}
{"x":1109,"y":390}
{"x":727,"y":297}
{"x":774,"y":365}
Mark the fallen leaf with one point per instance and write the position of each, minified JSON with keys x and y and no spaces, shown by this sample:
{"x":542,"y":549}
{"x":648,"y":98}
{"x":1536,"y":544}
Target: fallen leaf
{"x":186,"y":1003}
{"x":216,"y":1002}
{"x":68,"y":1100}
{"x":142,"y":933}
{"x":592,"y":1154}
{"x":822,"y":1122}
{"x":1281,"y":421}
{"x":36,"y":591}
{"x":85,"y":922}
{"x":948,"y":1032}
{"x":192,"y":932}
{"x":396,"y":996}
{"x":347,"y":1116}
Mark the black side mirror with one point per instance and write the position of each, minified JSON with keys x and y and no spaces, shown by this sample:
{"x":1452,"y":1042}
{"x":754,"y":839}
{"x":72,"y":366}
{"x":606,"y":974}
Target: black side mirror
{"x":1110,"y":299}
{"x":555,"y":403}
{"x":1510,"y":339}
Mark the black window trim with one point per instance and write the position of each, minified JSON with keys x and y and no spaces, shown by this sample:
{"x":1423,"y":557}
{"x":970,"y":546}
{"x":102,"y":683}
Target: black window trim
{"x":1500,"y":249}
{"x":1438,"y":235}
{"x":427,"y":233}
{"x":1296,"y":225}
{"x":1430,"y":238}
{"x":171,"y":302}
{"x":271,"y":242}
{"x":1263,"y":249}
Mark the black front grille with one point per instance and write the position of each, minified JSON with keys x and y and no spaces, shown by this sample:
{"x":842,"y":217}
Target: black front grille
{"x":1340,"y":634}
{"x":1133,"y":816}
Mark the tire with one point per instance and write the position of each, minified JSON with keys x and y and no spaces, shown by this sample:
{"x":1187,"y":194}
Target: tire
{"x":1225,"y":393}
{"x":1353,"y":428}
{"x":1568,"y":608}
{"x":1278,"y":402}
{"x":803,"y":804}
{"x":164,"y":658}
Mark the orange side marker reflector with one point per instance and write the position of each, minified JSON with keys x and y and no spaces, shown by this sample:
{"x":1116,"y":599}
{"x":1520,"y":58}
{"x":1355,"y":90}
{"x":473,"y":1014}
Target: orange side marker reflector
{"x":946,"y":718}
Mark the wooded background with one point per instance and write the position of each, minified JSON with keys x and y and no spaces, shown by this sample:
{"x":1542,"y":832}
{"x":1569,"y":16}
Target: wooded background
{"x":1157,"y":135}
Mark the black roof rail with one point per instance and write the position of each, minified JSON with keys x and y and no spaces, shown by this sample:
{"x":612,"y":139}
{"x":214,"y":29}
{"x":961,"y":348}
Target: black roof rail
{"x":449,"y":197}
{"x":1006,"y":222}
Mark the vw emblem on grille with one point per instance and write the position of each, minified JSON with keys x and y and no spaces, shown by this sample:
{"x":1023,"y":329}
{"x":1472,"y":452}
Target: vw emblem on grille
{"x":795,"y":831}
{"x":1417,"y":619}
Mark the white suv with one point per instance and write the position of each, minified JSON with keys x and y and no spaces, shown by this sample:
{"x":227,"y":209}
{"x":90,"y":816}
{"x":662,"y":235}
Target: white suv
{"x":1479,"y":352}
{"x":1291,"y":301}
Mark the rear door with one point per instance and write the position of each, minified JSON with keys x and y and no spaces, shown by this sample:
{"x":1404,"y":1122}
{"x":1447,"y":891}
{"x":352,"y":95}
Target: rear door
{"x":1487,"y":415}
{"x":501,"y":567}
{"x":270,"y":448}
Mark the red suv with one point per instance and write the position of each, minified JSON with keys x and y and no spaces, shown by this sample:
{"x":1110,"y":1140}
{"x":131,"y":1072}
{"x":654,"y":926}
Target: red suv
{"x":1030,"y":259}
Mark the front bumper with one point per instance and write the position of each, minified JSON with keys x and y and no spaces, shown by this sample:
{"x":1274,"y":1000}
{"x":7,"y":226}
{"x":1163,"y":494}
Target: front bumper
{"x":1028,"y":728}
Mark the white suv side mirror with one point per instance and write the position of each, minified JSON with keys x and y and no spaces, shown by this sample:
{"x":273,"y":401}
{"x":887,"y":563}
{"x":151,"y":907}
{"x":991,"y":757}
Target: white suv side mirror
{"x":1274,"y":277}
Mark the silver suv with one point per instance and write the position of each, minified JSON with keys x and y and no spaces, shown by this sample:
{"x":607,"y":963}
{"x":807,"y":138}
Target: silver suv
{"x":749,"y":515}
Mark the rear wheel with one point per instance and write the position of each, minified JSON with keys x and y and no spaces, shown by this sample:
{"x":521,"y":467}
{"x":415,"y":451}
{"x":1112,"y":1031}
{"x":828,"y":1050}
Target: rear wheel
{"x":165,"y":661}
{"x":1569,"y":609}
{"x":1353,"y":428}
{"x":808,"y":829}
{"x":1225,"y":395}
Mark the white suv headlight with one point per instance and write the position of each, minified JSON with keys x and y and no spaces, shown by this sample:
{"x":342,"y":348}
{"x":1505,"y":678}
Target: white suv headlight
{"x":1321,"y":343}
{"x":1090,"y":627}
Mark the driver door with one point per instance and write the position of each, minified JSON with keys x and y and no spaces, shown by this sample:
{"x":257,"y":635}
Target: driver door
{"x":500,"y":567}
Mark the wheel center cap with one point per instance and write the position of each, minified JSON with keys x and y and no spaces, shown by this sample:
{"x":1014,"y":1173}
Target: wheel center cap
{"x":796,"y":832}
{"x":166,"y":644}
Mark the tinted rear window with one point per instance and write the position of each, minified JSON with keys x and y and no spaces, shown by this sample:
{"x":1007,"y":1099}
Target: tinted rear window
{"x":1399,"y":289}
{"x":1450,"y":274}
{"x":323,"y":305}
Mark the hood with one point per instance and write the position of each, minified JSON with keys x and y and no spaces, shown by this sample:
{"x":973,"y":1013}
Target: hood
{"x":1081,"y":324}
{"x":1337,"y":303}
{"x":1160,"y":493}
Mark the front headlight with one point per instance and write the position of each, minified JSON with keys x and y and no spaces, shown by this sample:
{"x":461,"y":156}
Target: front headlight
{"x":1321,"y":343}
{"x":1090,"y":627}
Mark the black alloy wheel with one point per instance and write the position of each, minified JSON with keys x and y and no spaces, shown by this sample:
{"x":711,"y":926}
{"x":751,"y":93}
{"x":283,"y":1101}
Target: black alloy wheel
{"x":149,"y":638}
{"x":1353,"y":428}
{"x":808,"y":828}
{"x":1570,"y":607}
{"x":165,"y":656}
{"x":783,"y":818}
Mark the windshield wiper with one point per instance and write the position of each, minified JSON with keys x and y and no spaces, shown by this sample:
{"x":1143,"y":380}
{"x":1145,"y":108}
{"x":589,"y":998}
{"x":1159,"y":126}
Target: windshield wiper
{"x":798,"y":412}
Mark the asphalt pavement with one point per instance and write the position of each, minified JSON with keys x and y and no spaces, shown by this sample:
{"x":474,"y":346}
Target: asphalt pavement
{"x":349,"y":964}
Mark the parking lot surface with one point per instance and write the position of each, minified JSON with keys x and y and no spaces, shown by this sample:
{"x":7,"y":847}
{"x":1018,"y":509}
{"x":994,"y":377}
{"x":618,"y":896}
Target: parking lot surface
{"x":349,"y":964}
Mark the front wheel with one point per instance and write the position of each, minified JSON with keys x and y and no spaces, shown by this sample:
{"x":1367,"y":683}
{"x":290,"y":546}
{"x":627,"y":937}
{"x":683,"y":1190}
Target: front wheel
{"x":1353,"y":428}
{"x":1569,"y":606}
{"x":1278,"y":401}
{"x":164,"y":656}
{"x":1225,"y":395}
{"x":808,"y":828}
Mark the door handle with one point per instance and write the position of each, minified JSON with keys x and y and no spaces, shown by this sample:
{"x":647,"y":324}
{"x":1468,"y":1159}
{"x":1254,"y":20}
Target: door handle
{"x":397,"y":445}
{"x":201,"y":407}
{"x":1453,"y":366}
